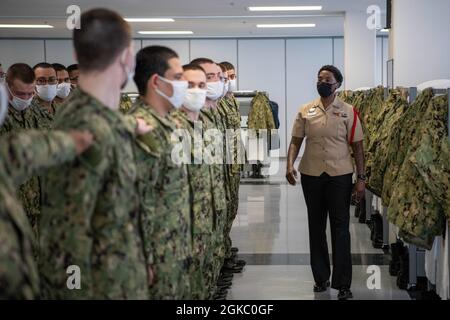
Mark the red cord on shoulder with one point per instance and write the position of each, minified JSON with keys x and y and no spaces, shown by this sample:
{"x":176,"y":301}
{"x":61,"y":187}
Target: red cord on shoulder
{"x":355,"y":118}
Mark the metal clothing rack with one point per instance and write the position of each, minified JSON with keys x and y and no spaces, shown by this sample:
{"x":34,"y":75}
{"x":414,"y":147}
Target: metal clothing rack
{"x":244,"y":111}
{"x":248,"y":94}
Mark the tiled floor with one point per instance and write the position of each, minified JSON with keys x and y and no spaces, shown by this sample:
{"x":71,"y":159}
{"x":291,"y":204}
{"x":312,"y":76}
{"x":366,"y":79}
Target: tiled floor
{"x":271,"y":232}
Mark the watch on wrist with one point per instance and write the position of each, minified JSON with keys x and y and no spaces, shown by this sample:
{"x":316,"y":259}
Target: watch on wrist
{"x":362,"y":177}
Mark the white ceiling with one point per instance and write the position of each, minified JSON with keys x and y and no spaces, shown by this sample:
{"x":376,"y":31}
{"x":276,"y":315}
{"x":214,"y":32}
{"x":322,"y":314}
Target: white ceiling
{"x":206,"y":18}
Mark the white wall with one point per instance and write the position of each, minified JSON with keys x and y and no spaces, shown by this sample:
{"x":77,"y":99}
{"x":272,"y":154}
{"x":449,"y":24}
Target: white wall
{"x":285,"y":68}
{"x":304,"y":58}
{"x":30,"y":52}
{"x":420,"y":47}
{"x":360,"y":51}
{"x":180,"y":46}
{"x":217,"y":50}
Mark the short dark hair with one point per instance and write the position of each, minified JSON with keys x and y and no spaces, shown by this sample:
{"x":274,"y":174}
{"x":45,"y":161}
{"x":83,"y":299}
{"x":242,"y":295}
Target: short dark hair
{"x":58,"y":67}
{"x":72,"y":67}
{"x":335,"y":71}
{"x":222,"y":67}
{"x":149,"y":61}
{"x":103,"y":35}
{"x":43,"y":65}
{"x":199,"y":61}
{"x":20,"y":71}
{"x":191,"y":66}
{"x":228,"y":66}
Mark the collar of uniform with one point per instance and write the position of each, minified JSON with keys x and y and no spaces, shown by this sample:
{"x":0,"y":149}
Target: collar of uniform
{"x":163,"y":120}
{"x":336,"y":104}
{"x":111,"y":114}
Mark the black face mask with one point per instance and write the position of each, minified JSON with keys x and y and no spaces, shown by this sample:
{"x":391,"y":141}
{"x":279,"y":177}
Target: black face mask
{"x":324,"y":89}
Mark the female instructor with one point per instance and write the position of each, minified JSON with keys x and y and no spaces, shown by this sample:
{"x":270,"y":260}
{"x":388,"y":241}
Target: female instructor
{"x":331,"y":127}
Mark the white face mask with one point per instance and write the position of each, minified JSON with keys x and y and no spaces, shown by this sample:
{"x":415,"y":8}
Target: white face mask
{"x":18,"y":103}
{"x":215,"y":90}
{"x":226,"y":87}
{"x":233,"y":85}
{"x":46,"y":92}
{"x":195,"y":99}
{"x":3,"y":103}
{"x":63,"y":90}
{"x":179,"y":92}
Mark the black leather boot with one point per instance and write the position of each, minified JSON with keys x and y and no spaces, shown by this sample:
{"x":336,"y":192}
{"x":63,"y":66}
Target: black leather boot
{"x":377,"y":234}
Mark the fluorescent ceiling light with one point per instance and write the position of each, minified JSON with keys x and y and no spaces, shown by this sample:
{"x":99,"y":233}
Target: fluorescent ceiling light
{"x":287,"y":25}
{"x":30,"y":26}
{"x":149,"y":19}
{"x":165,"y":32}
{"x":384,"y":30}
{"x":286,"y":8}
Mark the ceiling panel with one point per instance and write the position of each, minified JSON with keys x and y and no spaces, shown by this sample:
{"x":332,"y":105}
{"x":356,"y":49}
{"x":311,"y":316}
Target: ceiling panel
{"x":206,"y":18}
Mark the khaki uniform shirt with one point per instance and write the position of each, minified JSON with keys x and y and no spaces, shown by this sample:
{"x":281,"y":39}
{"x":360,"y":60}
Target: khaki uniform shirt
{"x":327,"y":133}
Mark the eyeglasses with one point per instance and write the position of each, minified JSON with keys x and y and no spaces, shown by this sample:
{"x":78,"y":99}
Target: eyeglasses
{"x":74,"y":79}
{"x":66,"y":80}
{"x":44,"y":81}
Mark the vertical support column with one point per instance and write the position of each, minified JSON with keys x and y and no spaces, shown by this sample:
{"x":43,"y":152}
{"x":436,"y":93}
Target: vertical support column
{"x":360,"y":51}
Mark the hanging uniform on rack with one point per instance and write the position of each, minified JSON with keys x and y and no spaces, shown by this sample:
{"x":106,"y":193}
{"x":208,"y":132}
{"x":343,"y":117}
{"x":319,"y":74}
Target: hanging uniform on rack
{"x":125,"y":103}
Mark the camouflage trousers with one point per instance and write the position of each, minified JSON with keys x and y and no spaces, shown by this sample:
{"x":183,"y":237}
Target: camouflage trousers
{"x":232,"y":212}
{"x":30,"y":197}
{"x":172,"y":280}
{"x":217,"y":249}
{"x":201,"y":276}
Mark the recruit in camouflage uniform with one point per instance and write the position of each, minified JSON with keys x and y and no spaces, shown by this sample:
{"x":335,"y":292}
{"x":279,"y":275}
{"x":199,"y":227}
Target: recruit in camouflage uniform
{"x":90,"y":212}
{"x":44,"y":116}
{"x":219,"y":199}
{"x":229,"y":110}
{"x":21,"y":156}
{"x":165,"y":209}
{"x":201,"y":203}
{"x":29,"y":191}
{"x":221,"y":124}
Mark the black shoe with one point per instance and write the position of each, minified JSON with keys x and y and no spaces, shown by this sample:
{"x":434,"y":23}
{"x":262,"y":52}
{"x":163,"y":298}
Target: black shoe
{"x":377,"y":234}
{"x":226,"y":276}
{"x":344,"y":294}
{"x":321,"y":287}
{"x":231,"y":267}
{"x":240,"y":262}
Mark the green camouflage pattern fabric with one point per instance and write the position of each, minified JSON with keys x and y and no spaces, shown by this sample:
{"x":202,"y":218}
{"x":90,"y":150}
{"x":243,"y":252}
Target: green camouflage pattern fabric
{"x":432,"y":158}
{"x":30,"y":190}
{"x":201,"y":205}
{"x":44,"y":116}
{"x":389,"y":118}
{"x":219,"y":205}
{"x":413,"y":207}
{"x":125,"y":103}
{"x":260,"y":116}
{"x":229,"y":110}
{"x":21,"y":156}
{"x":90,"y":211}
{"x":166,"y":216}
{"x":404,"y":142}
